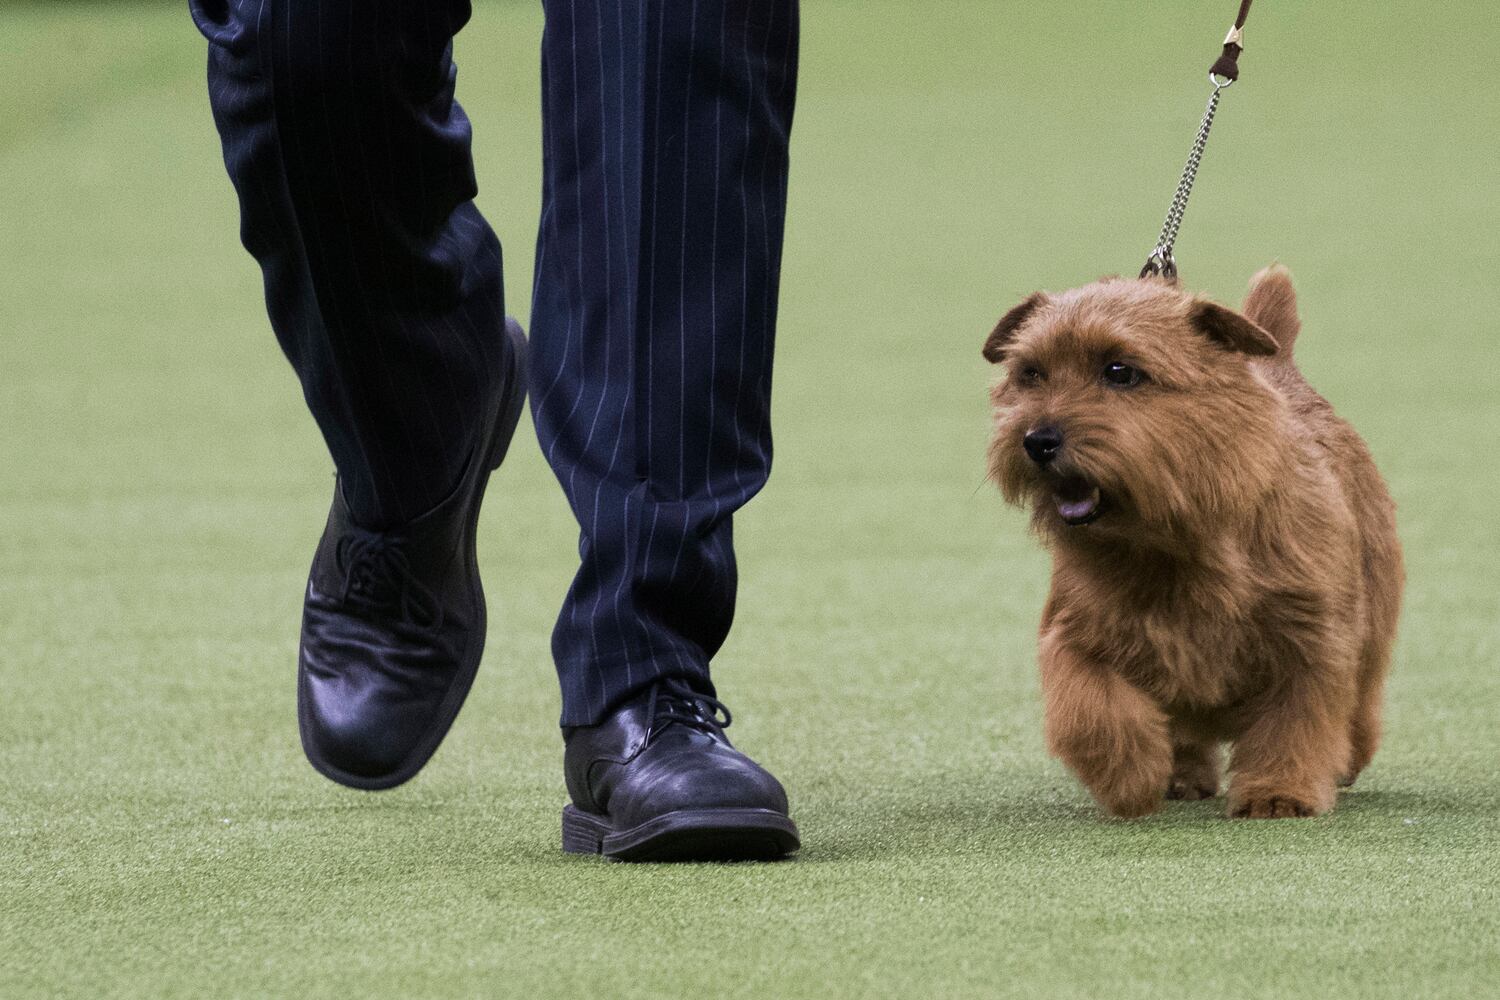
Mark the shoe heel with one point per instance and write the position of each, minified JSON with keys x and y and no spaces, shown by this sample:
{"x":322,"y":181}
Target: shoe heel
{"x":506,"y":427}
{"x":582,"y":833}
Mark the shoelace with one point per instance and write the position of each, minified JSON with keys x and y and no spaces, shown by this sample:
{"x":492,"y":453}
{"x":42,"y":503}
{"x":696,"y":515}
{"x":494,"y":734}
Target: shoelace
{"x":378,"y":577}
{"x":672,"y":701}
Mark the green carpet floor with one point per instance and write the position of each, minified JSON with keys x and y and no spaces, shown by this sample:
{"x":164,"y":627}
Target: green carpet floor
{"x":161,"y":488}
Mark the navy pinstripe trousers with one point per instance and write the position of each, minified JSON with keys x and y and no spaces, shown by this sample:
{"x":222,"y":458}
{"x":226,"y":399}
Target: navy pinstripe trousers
{"x":665,"y":127}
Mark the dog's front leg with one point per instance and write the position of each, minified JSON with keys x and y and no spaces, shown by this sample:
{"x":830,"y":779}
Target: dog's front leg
{"x":1288,"y":761}
{"x":1106,"y":730}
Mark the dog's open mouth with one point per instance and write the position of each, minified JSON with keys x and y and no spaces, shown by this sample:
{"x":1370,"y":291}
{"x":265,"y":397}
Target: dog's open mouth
{"x":1078,"y":501}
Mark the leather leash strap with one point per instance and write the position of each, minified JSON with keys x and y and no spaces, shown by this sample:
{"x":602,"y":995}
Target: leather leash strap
{"x":1225,"y":70}
{"x":1228,"y":65}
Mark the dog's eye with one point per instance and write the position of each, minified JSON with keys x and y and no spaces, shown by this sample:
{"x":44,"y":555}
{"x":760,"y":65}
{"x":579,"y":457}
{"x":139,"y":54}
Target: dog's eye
{"x":1030,"y":375}
{"x":1123,"y":375}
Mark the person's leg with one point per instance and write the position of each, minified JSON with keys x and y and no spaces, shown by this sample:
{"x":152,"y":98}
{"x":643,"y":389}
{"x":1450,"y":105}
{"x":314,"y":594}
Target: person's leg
{"x":383,"y":284}
{"x":666,"y":125}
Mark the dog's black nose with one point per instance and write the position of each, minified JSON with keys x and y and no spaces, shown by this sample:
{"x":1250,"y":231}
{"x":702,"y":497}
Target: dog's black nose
{"x":1042,"y":444}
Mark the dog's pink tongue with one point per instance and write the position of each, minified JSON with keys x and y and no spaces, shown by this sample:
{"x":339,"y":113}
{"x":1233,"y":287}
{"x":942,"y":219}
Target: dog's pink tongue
{"x":1074,"y":510}
{"x":1077,"y":509}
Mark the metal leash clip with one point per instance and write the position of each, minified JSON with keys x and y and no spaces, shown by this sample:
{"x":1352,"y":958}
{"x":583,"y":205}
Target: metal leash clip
{"x":1160,"y":264}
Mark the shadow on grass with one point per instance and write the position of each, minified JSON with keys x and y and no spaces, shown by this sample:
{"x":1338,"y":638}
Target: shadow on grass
{"x":1047,"y":823}
{"x":1050,"y":822}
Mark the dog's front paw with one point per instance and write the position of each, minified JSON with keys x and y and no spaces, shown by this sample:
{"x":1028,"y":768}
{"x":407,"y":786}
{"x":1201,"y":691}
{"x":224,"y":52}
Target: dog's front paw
{"x":1271,"y":805}
{"x":1130,"y":806}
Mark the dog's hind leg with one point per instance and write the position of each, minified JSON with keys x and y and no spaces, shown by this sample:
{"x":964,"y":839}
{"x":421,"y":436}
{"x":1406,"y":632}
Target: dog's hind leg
{"x":1106,"y":730}
{"x":1364,"y":730}
{"x":1195,"y":767}
{"x":1383,"y":576}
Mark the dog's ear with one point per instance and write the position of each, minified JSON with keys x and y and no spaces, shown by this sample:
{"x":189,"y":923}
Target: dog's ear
{"x":1229,"y":329}
{"x":1272,"y":303}
{"x":1005,"y":330}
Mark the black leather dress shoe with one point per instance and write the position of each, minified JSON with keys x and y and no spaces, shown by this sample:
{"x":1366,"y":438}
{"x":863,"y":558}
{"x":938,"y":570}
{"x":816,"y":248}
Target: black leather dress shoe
{"x":393,"y":622}
{"x":659,"y":781}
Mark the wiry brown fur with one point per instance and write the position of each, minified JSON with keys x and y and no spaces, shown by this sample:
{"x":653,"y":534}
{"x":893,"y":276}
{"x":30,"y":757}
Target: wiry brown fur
{"x":1243,"y":579}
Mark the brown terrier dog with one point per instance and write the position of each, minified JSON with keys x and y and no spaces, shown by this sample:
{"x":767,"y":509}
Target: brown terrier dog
{"x":1225,"y":562}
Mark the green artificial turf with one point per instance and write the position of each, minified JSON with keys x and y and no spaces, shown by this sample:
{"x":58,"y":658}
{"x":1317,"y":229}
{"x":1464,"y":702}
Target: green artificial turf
{"x":161,"y":488}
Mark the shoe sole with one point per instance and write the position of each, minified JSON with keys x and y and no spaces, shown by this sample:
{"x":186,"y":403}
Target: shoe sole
{"x":500,"y":435}
{"x":686,"y":835}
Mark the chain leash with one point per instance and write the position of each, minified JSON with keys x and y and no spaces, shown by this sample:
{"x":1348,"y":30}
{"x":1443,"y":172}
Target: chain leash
{"x":1161,"y":263}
